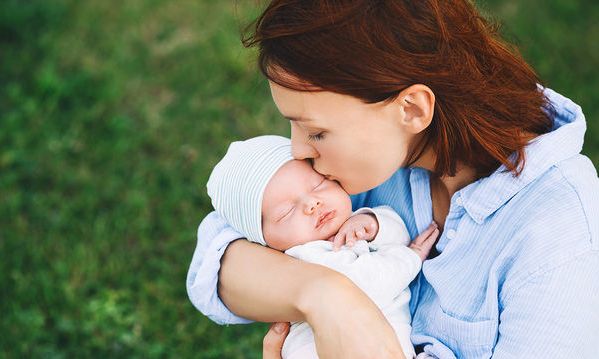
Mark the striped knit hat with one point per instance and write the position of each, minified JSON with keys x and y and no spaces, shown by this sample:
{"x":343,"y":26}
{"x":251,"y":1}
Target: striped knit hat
{"x":238,"y":181}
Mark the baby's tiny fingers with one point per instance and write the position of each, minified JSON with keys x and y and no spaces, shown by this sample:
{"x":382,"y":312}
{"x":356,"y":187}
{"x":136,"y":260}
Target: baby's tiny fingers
{"x":351,"y":239}
{"x":339,"y":239}
{"x":370,"y":229}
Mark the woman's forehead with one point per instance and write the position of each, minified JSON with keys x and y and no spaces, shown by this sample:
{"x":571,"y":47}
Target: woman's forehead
{"x":309,"y":107}
{"x":291,"y":103}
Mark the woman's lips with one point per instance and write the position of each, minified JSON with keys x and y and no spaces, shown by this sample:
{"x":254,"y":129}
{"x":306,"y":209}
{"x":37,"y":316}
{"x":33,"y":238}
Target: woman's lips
{"x":324,"y":218}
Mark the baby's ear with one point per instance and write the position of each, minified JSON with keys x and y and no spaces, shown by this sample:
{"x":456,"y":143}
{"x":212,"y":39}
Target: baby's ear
{"x":416,"y":108}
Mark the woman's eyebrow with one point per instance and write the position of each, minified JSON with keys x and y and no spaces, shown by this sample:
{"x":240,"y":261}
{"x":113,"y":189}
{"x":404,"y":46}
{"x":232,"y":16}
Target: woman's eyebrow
{"x":298,"y":119}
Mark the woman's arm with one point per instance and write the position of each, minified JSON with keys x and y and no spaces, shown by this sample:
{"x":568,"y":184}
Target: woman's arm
{"x":213,"y":236}
{"x":263,"y":284}
{"x":266,"y":285}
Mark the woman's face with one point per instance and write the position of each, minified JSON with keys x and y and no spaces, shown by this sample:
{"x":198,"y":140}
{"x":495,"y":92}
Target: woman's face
{"x":359,"y":145}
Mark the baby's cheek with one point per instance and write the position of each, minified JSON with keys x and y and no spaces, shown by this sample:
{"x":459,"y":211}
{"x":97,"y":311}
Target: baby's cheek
{"x":295,"y":233}
{"x":274,"y":237}
{"x":281,"y":243}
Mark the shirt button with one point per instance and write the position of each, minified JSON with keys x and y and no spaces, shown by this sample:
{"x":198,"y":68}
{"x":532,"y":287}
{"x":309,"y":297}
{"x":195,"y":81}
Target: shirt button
{"x":451,"y":233}
{"x":458,"y":201}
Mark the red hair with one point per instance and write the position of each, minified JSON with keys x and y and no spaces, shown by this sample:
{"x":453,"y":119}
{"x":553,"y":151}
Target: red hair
{"x":488,"y":104}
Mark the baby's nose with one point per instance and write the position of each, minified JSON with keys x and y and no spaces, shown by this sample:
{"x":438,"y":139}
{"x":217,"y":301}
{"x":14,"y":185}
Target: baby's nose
{"x":312,"y":205}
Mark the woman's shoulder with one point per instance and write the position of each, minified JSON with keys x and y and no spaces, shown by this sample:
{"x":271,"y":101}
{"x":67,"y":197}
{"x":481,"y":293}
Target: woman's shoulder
{"x":567,"y":185}
{"x":580,"y":174}
{"x":548,"y":224}
{"x":535,"y":220}
{"x":561,"y":206}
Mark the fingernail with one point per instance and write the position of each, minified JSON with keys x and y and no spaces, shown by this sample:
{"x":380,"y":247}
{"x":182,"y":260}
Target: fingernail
{"x":279,"y":328}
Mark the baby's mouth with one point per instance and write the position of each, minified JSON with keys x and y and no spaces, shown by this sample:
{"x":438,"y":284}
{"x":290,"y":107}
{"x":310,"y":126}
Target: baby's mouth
{"x":325,"y":217}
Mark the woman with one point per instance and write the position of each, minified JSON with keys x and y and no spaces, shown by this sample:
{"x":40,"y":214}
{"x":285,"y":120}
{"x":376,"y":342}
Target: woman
{"x":420,"y":106}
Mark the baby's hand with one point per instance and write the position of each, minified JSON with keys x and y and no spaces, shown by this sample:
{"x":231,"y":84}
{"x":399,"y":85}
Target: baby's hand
{"x":424,"y":242}
{"x":358,"y":227}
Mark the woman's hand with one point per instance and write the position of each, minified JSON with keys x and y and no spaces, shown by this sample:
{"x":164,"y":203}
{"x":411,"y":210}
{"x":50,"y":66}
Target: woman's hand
{"x":425,"y":241}
{"x":346,"y":323}
{"x":273,"y":340}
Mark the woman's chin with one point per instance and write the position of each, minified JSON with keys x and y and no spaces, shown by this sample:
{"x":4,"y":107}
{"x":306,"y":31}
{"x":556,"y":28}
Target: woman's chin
{"x":350,"y":188}
{"x":357,"y":188}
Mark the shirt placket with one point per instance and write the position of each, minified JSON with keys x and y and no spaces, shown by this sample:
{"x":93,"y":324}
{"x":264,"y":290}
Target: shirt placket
{"x":452,"y":221}
{"x":421,"y":198}
{"x":422,"y":206}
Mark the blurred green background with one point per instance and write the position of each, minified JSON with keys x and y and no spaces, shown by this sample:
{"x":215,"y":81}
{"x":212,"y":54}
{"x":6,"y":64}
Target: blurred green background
{"x":112,"y":114}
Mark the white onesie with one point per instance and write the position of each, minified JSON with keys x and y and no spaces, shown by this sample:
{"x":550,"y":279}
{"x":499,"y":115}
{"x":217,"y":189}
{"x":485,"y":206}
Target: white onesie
{"x":382,"y":268}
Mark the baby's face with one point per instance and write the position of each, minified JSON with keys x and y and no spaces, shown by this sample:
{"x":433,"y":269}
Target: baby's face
{"x":300,"y":205}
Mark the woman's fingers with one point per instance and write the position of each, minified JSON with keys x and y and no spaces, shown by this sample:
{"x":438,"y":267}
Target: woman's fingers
{"x":274,"y":339}
{"x":431,"y":230}
{"x":430,"y":240}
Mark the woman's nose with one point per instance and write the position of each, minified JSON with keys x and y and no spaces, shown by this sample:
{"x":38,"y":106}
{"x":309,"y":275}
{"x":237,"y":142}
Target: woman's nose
{"x":312,"y":205}
{"x":300,"y":150}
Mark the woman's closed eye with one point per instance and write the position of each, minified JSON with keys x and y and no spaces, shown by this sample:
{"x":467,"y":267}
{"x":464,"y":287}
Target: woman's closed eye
{"x":316,"y":137}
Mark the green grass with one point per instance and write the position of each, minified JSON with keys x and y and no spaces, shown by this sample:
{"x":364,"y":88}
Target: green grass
{"x":112,"y":114}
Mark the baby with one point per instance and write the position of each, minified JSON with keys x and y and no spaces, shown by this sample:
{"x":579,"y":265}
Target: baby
{"x":283,"y":203}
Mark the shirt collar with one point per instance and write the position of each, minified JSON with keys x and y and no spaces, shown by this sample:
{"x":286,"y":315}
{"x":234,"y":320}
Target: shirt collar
{"x":483,"y":197}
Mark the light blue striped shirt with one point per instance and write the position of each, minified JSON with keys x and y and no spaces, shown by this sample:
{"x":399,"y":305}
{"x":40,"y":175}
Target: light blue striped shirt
{"x":518,"y":269}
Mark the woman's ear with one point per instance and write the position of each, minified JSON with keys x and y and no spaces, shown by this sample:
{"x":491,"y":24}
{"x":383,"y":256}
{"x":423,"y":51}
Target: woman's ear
{"x":417,"y":106}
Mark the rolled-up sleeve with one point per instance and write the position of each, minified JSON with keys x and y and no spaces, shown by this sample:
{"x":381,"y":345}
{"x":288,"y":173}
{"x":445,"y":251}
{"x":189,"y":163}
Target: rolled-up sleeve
{"x":554,"y":314}
{"x":213,"y":237}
